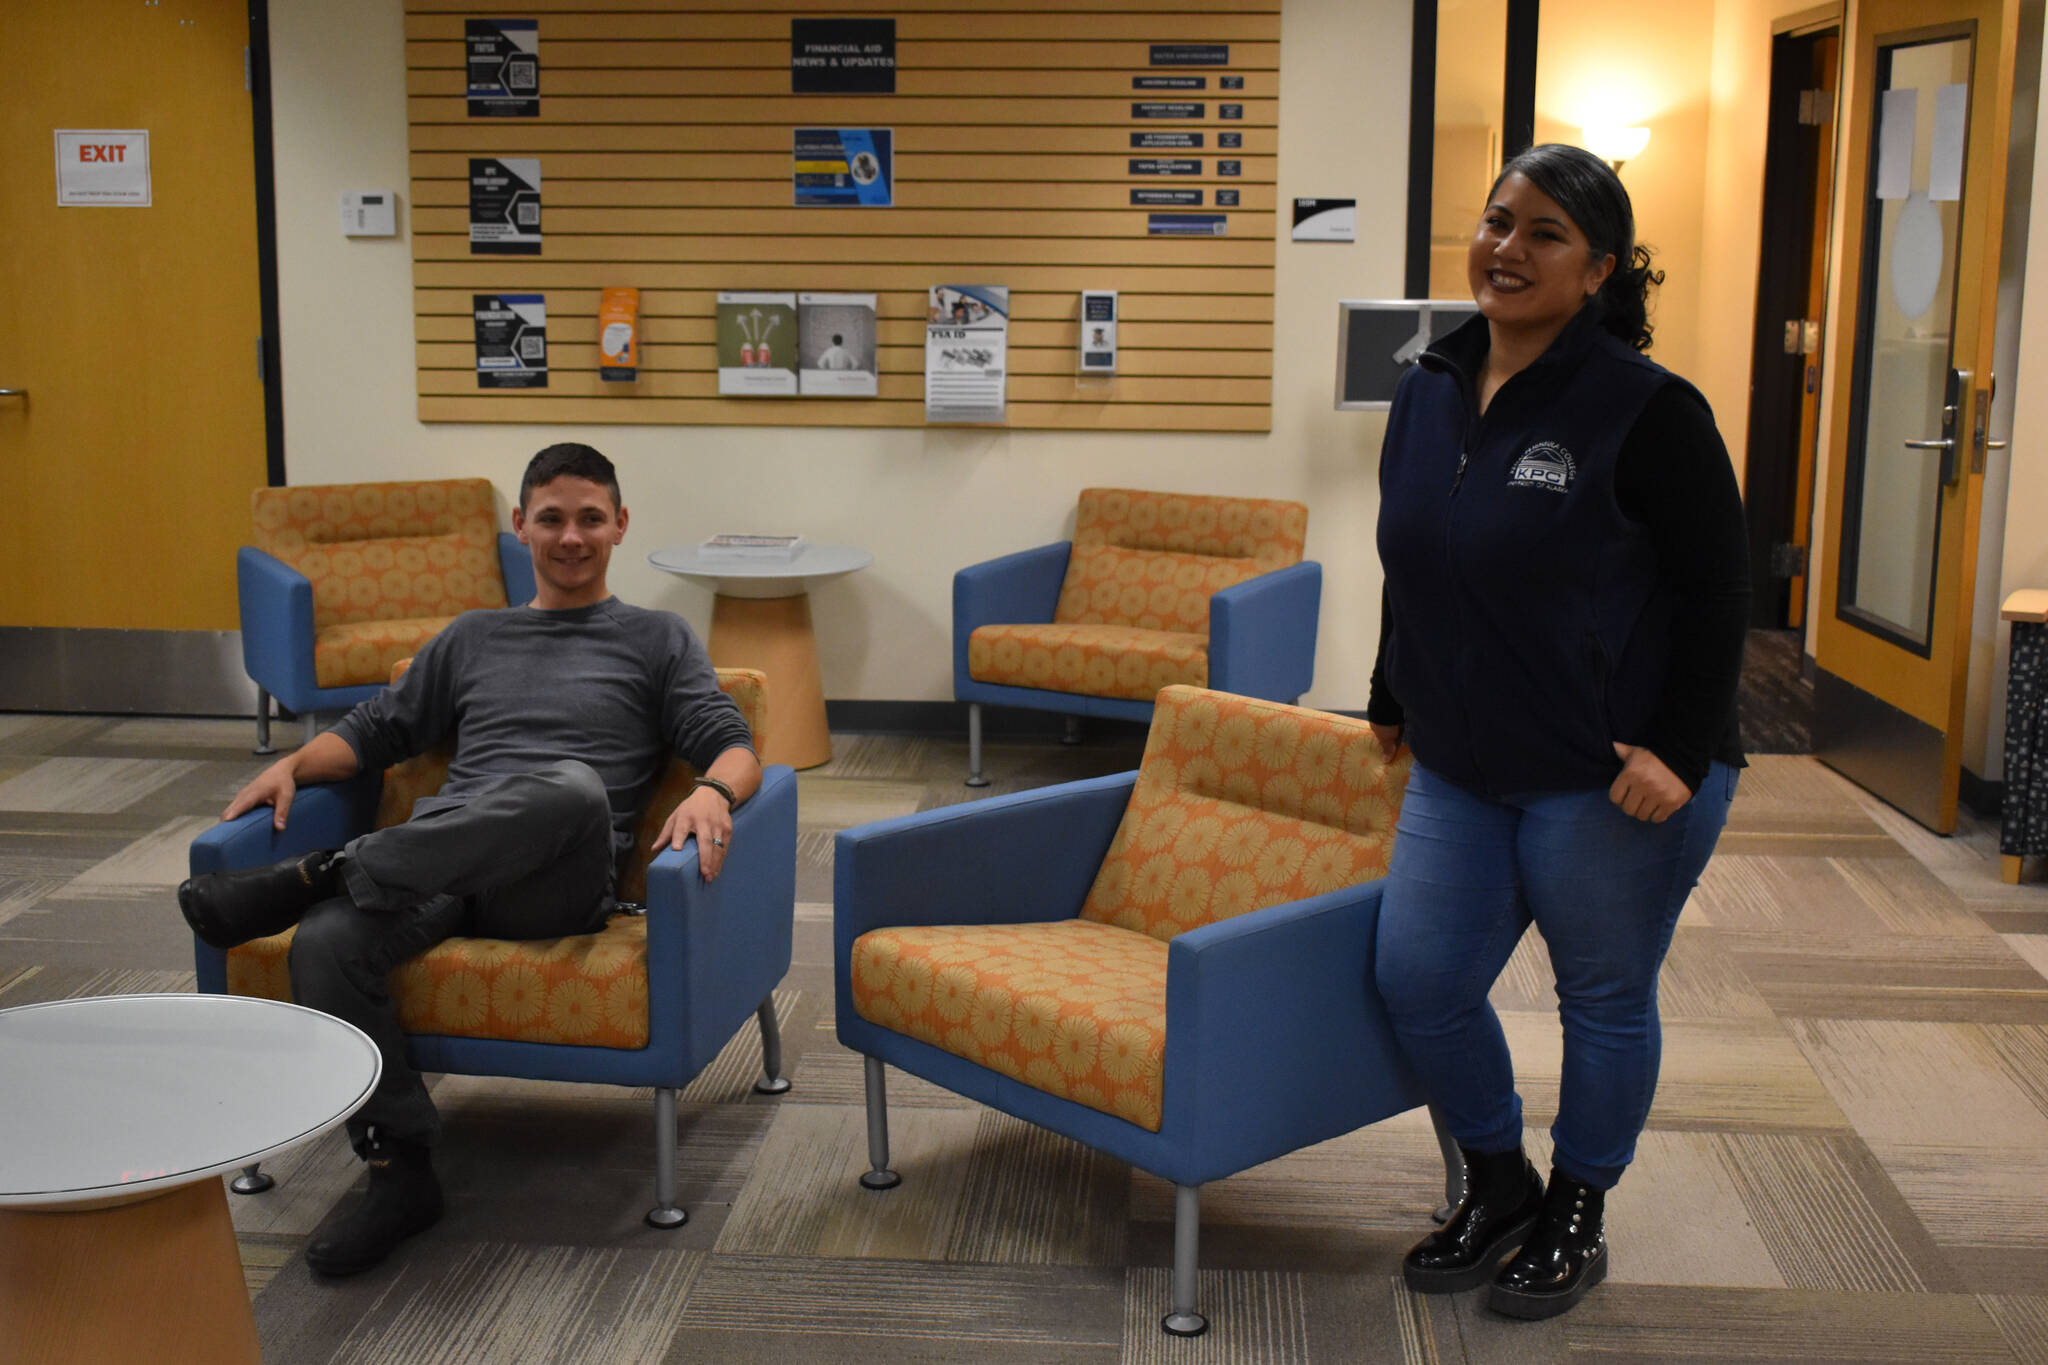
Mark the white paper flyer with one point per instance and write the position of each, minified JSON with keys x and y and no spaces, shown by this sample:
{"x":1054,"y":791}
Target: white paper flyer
{"x":966,"y":345}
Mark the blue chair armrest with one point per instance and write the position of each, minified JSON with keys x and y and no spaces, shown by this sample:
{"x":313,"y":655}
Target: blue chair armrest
{"x":715,"y":950}
{"x":1262,"y":633}
{"x":1275,"y":1034}
{"x":324,"y":816}
{"x":516,"y":564}
{"x":277,"y":626}
{"x":1006,"y":860}
{"x":1015,"y":588}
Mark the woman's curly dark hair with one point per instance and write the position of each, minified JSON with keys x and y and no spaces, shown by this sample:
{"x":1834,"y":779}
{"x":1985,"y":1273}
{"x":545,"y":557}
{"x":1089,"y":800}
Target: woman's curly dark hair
{"x":1587,"y":188}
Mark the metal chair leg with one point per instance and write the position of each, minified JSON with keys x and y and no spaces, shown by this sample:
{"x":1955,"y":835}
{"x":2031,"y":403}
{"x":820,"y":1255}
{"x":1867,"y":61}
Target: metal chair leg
{"x":1072,"y":733}
{"x":1184,"y":1321}
{"x":772,"y":1081}
{"x":263,"y":745}
{"x":974,"y":777}
{"x":878,"y":1176}
{"x":666,"y":1213}
{"x":1454,"y":1167}
{"x":311,"y":722}
{"x":252,"y":1180}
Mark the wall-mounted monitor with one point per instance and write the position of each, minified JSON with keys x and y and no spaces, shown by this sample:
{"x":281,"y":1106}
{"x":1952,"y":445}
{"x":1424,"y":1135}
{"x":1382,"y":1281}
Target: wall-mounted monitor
{"x":1377,"y":339}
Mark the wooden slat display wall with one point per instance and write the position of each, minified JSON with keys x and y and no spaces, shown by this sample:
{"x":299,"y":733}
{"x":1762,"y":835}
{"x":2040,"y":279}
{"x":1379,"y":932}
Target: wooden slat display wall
{"x":665,"y":146}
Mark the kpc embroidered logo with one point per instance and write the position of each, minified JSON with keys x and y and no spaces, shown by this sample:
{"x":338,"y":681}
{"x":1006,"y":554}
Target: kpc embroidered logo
{"x":1543,"y":465}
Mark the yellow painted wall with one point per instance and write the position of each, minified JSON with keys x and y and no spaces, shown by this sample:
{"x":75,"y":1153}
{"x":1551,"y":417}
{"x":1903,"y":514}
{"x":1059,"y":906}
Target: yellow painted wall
{"x":926,"y":501}
{"x":1618,"y":61}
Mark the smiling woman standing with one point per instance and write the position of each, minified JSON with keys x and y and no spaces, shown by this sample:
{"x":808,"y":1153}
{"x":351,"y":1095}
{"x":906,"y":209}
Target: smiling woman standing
{"x":1567,"y":591}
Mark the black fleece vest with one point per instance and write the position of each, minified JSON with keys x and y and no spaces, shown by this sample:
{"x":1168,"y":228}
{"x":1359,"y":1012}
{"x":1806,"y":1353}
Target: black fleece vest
{"x":1530,"y":628}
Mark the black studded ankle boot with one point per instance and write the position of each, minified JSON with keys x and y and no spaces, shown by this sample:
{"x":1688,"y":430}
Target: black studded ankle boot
{"x":1502,"y":1196}
{"x":1564,"y":1256}
{"x":227,"y":909}
{"x":403,"y":1198}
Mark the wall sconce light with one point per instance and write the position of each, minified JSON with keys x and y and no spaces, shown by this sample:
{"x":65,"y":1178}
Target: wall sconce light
{"x":1613,"y":143}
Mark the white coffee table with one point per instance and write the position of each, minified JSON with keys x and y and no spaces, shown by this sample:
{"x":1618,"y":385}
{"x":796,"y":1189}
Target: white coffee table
{"x":118,"y":1115}
{"x":761,"y":618}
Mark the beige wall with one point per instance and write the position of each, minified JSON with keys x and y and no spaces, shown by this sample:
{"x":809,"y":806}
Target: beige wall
{"x":1619,"y":61}
{"x":927,"y":502}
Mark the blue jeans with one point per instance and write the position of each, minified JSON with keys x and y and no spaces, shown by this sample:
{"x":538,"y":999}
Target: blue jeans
{"x":1469,"y":875}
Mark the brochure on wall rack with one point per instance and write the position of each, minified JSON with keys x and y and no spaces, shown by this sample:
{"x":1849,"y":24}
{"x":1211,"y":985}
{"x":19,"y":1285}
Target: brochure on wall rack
{"x":966,"y":346}
{"x":757,"y":345}
{"x":836,"y":345}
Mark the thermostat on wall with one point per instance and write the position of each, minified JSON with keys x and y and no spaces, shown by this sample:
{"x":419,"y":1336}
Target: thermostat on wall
{"x":369,"y":213}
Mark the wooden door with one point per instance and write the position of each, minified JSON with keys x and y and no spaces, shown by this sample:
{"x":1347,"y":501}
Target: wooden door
{"x":1926,"y":129}
{"x":132,"y":331}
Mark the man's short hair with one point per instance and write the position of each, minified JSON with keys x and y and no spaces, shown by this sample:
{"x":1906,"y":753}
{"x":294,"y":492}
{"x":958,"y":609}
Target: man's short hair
{"x":568,"y":459}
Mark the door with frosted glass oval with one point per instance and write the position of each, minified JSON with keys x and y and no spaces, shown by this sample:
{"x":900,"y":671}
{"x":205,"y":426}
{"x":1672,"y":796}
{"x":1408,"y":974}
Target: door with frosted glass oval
{"x":1927,"y":121}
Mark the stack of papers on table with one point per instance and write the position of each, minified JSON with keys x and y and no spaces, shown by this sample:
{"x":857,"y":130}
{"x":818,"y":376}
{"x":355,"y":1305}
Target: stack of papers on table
{"x":752,"y":547}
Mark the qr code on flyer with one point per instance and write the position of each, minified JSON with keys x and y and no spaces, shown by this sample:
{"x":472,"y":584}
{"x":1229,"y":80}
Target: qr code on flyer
{"x":529,"y":215}
{"x":533,"y":347}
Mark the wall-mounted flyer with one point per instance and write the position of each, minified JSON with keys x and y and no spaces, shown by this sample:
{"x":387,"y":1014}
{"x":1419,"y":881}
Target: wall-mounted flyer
{"x":1098,"y":331}
{"x":838,"y":167}
{"x":504,"y":206}
{"x":757,"y":345}
{"x":836,"y":345}
{"x":504,"y":67}
{"x":511,"y":341}
{"x":966,"y":352}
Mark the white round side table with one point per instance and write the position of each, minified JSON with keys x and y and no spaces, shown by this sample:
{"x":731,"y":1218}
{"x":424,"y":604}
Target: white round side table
{"x":118,"y":1115}
{"x":761,"y":618}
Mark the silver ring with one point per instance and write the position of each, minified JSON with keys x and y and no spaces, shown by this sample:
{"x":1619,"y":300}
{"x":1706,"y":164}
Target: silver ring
{"x":717,"y":842}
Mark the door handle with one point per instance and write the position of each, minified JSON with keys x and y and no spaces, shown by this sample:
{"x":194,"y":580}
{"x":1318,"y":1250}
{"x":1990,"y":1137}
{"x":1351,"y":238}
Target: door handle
{"x":13,"y":393}
{"x":1945,"y":443}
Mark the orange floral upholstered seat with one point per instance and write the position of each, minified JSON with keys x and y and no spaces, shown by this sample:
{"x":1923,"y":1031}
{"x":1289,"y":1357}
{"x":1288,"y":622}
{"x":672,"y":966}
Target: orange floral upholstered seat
{"x":1133,"y":612}
{"x":588,"y":990}
{"x":390,"y":564}
{"x":1238,"y":805}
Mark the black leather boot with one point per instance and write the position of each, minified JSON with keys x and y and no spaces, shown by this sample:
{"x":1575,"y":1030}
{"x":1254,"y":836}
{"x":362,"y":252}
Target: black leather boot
{"x":1502,"y":1196}
{"x":1564,"y":1256}
{"x":227,"y":909}
{"x":403,"y":1198}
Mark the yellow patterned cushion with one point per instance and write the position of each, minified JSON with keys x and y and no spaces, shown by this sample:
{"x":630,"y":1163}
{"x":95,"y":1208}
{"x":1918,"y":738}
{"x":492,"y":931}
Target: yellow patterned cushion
{"x":1151,"y":589}
{"x":1242,"y":804}
{"x":589,"y":990}
{"x":435,"y":991}
{"x":364,"y":652}
{"x":386,"y":551}
{"x":1073,"y":1008}
{"x":1095,"y":661}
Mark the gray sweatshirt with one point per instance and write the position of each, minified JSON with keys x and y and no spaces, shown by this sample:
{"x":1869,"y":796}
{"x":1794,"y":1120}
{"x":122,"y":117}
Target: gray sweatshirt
{"x":619,"y":687}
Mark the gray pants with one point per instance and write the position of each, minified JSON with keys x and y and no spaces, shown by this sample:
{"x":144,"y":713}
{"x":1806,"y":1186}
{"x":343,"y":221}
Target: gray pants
{"x":528,"y":857}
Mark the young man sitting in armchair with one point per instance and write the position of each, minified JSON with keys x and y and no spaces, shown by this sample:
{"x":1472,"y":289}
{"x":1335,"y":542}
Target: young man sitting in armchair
{"x":563,"y":714}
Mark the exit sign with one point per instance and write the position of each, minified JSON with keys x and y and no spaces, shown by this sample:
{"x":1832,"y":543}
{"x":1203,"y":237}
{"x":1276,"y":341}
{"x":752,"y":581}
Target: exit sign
{"x":99,"y":166}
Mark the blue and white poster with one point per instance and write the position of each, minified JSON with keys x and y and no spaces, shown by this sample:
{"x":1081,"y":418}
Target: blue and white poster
{"x":838,"y":167}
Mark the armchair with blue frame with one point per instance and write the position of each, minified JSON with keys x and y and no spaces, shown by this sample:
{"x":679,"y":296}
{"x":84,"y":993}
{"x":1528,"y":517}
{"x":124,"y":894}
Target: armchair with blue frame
{"x":1173,"y":966}
{"x":649,"y":1000}
{"x":1154,"y":589}
{"x":344,"y":580}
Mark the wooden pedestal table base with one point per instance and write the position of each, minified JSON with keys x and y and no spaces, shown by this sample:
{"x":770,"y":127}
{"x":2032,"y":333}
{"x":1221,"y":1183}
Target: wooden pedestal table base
{"x":118,"y":1116}
{"x":761,"y":618}
{"x":774,"y":635}
{"x":145,"y":1283}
